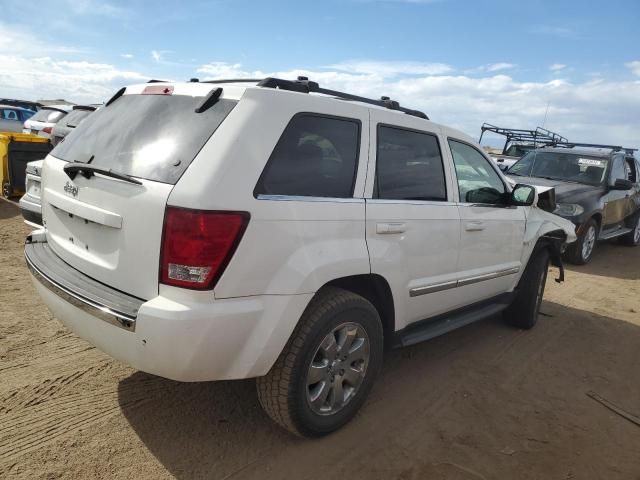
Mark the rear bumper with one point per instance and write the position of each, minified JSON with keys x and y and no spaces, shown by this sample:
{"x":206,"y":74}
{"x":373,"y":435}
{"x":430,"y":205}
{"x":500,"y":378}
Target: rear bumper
{"x":181,"y":335}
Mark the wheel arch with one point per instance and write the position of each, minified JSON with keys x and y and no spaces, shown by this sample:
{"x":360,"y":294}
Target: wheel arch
{"x":375,"y":289}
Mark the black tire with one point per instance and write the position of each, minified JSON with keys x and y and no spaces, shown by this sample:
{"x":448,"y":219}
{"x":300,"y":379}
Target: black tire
{"x":7,"y":190}
{"x":633,"y":237}
{"x":283,"y":392}
{"x":577,"y":253}
{"x":523,"y":312}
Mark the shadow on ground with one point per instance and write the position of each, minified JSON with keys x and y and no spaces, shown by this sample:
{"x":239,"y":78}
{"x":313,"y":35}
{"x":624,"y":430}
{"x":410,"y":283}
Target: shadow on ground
{"x":486,"y":401}
{"x":8,"y":209}
{"x":612,"y":259}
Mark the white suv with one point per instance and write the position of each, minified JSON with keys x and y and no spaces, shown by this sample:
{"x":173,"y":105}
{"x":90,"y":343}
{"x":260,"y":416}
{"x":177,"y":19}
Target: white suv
{"x":275,"y":229}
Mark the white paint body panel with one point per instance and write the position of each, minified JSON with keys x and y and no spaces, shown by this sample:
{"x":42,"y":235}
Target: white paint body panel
{"x":292,"y":246}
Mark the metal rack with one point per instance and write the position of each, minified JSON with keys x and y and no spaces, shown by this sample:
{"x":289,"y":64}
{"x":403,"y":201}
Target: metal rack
{"x":539,"y":136}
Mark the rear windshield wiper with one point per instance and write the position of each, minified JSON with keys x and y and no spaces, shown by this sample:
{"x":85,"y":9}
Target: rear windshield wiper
{"x":72,"y":169}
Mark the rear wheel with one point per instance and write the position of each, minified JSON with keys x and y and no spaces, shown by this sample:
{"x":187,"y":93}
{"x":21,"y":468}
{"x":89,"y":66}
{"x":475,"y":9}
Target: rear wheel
{"x":633,"y":237}
{"x":582,"y":249}
{"x":326,"y":370}
{"x":523,"y":312}
{"x":7,"y":191}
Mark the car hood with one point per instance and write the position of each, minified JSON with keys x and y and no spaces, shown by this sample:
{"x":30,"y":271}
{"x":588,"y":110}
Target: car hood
{"x":564,"y":190}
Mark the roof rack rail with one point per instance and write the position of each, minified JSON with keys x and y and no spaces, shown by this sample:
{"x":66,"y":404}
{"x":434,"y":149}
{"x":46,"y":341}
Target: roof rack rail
{"x":234,"y":80}
{"x":615,"y":148}
{"x":304,"y":85}
{"x":539,"y":135}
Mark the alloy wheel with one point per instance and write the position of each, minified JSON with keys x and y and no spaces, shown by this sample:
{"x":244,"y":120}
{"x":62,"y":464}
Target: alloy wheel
{"x":337,"y":369}
{"x":589,"y":242}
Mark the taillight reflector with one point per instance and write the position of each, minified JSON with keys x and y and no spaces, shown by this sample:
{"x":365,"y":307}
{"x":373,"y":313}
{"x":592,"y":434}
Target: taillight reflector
{"x":47,"y":129}
{"x":197,"y":245}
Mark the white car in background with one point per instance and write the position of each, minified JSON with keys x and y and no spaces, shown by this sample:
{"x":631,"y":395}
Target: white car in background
{"x":45,"y":119}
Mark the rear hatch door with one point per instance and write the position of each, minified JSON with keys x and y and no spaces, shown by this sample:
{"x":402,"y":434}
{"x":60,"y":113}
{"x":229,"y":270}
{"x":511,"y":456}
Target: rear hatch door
{"x":111,"y":228}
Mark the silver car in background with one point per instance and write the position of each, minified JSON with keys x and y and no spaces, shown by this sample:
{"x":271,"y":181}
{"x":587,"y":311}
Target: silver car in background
{"x":12,"y":118}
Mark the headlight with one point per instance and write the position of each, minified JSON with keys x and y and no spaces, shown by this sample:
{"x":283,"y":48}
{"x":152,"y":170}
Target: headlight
{"x":568,"y":209}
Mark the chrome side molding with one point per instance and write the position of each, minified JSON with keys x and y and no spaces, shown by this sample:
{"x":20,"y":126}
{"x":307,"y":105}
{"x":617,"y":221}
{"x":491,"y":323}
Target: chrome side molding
{"x":439,"y":287}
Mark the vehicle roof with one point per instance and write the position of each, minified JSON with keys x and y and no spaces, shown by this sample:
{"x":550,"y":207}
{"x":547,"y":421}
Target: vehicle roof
{"x":16,"y":108}
{"x":235,"y":89}
{"x":590,"y":152}
{"x":65,"y":108}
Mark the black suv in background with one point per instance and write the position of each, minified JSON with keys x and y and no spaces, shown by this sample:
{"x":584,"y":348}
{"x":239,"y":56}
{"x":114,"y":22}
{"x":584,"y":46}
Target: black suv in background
{"x":597,"y":187}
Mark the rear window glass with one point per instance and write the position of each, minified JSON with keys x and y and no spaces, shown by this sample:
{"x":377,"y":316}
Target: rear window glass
{"x":316,"y":156}
{"x":155,"y":137}
{"x":74,"y":118}
{"x":47,"y":116}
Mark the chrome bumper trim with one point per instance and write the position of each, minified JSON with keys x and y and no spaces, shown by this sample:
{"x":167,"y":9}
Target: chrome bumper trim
{"x":99,"y":311}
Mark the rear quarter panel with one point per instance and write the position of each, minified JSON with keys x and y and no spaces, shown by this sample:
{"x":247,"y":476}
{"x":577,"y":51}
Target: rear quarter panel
{"x":292,"y":245}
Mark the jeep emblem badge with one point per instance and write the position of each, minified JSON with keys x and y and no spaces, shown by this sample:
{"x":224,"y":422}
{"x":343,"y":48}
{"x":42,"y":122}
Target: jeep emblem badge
{"x":72,"y":189}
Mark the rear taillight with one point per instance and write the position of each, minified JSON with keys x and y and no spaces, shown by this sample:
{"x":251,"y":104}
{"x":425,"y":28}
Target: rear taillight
{"x":47,"y":129}
{"x":197,"y":245}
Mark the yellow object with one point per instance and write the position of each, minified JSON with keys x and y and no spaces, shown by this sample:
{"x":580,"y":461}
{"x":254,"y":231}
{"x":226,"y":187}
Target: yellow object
{"x":8,"y":189}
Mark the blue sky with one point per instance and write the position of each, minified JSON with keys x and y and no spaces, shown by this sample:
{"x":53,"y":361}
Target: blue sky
{"x":462,"y":61}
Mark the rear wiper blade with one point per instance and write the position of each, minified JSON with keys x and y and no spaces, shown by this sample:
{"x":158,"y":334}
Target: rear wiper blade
{"x":88,"y":171}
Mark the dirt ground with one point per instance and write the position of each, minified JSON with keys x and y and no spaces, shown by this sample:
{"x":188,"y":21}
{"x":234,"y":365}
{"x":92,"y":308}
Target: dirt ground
{"x":484,"y":402}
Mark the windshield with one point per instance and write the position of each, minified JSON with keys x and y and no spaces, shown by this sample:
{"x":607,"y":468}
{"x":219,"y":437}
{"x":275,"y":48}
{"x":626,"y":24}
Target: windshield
{"x":155,"y":137}
{"x":561,"y":166}
{"x":518,"y":150}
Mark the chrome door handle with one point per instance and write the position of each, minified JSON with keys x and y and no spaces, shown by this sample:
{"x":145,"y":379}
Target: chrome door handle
{"x":474,"y":226}
{"x":387,"y":228}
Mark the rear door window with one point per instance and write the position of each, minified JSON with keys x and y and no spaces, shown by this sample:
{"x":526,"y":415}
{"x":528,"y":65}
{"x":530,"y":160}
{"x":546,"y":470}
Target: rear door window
{"x":408,"y":166}
{"x":316,"y":156}
{"x":155,"y":137}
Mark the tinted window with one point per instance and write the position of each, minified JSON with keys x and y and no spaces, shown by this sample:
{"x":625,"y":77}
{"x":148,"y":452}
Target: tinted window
{"x":10,"y":114}
{"x":47,"y":116}
{"x":315,"y":157}
{"x":27,"y":114}
{"x":147,"y":136}
{"x":478,"y":182}
{"x":409,"y":166}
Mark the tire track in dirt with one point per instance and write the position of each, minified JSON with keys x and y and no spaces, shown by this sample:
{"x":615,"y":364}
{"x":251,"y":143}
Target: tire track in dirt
{"x":55,"y":414}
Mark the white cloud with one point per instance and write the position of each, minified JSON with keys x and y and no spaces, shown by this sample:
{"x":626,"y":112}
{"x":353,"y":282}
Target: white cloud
{"x":634,"y":67}
{"x":17,"y":40}
{"x":599,"y":111}
{"x":92,"y":7}
{"x":391,"y":69}
{"x":126,"y":55}
{"x":156,"y":55}
{"x":495,"y":67}
{"x":557,"y":67}
{"x":45,"y":77}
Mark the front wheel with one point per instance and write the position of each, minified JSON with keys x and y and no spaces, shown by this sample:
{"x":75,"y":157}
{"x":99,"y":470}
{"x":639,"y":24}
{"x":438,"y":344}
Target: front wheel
{"x":523,"y":312}
{"x":581,"y":251}
{"x":326,"y":370}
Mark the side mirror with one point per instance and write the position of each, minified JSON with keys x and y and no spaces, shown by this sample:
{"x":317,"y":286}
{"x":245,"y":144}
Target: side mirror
{"x":622,"y":184}
{"x":523,"y":195}
{"x":503,"y":167}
